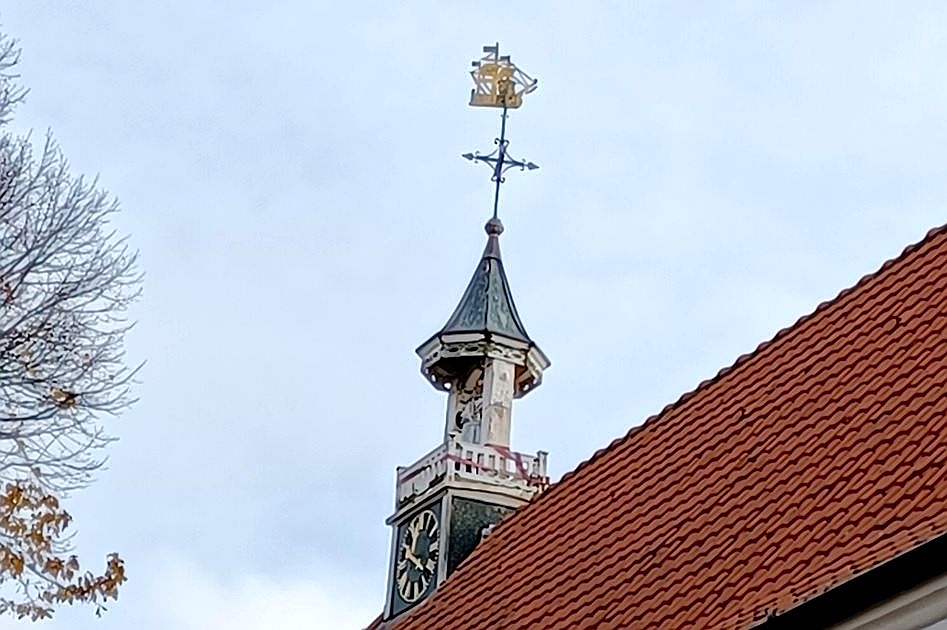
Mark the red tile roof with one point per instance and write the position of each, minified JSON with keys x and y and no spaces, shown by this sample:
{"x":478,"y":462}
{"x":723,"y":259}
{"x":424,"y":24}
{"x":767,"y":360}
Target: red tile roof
{"x":815,"y":458}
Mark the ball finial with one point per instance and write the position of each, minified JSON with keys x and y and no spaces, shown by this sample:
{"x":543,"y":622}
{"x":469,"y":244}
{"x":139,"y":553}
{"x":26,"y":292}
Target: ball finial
{"x":494,"y":227}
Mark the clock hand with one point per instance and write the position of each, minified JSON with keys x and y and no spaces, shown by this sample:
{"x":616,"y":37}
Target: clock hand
{"x":409,"y":555}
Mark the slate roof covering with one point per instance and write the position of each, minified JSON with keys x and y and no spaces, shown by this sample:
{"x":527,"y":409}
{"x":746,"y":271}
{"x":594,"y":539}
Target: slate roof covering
{"x":487,"y":304}
{"x":815,"y":458}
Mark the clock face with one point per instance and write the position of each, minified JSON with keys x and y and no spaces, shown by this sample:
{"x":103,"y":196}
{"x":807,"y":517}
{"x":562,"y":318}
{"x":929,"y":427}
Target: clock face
{"x":418,"y":552}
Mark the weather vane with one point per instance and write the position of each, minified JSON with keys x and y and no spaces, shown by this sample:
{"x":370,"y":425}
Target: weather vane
{"x":499,"y":83}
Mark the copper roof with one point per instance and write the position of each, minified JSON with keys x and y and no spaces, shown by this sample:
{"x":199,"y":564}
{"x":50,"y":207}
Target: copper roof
{"x":812,"y":460}
{"x":487,"y":304}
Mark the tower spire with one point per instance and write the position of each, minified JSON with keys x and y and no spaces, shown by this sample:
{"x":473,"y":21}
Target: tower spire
{"x":486,"y":317}
{"x":499,"y":83}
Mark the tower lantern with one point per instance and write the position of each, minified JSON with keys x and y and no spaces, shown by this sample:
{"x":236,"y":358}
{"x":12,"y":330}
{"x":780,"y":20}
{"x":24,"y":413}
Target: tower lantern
{"x":483,"y":358}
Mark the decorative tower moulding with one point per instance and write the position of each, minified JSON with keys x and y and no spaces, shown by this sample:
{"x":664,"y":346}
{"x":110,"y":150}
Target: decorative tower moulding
{"x":483,"y":357}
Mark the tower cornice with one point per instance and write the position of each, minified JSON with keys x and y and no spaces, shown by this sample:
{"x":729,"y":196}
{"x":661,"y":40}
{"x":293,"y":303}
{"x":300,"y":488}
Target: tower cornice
{"x":485,"y":323}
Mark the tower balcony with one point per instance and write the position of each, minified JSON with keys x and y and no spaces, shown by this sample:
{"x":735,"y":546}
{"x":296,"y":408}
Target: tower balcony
{"x":460,"y":463}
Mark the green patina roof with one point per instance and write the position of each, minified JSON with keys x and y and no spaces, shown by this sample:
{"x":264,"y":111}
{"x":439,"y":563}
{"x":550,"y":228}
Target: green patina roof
{"x":487,"y":305}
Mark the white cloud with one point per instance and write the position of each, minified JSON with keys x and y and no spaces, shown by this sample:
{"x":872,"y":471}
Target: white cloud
{"x":177,"y":594}
{"x":188,"y":597}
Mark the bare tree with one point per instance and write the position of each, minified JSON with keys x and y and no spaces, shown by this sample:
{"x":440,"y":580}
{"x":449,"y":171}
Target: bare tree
{"x":66,"y":280}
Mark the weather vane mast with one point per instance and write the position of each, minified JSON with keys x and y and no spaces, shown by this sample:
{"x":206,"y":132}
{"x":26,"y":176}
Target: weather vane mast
{"x":499,"y":83}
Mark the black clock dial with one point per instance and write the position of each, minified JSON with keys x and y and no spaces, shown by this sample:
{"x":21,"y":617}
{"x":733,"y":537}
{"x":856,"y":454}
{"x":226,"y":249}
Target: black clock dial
{"x":418,"y":553}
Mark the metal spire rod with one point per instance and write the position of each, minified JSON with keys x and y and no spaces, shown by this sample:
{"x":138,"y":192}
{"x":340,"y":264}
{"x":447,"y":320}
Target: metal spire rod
{"x":498,"y":169}
{"x":499,"y":83}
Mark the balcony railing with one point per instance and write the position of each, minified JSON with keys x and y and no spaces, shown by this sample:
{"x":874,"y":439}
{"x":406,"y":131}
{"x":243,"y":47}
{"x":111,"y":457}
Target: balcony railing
{"x":458,"y":460}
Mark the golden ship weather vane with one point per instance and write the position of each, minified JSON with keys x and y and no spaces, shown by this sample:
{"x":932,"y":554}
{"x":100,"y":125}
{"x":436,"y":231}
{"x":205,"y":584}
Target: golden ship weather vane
{"x":499,"y":83}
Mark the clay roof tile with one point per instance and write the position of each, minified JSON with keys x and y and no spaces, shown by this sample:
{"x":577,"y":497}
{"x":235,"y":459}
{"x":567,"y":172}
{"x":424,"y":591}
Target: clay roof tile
{"x":811,"y":460}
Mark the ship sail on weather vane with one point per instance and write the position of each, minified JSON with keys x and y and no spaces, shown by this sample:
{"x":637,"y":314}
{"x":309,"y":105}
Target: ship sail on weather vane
{"x":500,"y":84}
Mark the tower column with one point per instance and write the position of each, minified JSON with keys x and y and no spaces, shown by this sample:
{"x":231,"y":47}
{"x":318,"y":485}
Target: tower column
{"x":450,"y":422}
{"x":498,"y":381}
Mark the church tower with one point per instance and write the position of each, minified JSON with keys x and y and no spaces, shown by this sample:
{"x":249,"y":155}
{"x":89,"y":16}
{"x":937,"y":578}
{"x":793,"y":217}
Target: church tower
{"x":447,"y":501}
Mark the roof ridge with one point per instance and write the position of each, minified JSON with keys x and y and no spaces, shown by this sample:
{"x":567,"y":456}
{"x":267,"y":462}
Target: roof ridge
{"x":741,"y":360}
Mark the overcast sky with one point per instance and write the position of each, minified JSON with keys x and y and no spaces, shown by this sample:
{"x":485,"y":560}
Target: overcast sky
{"x":290,"y":172}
